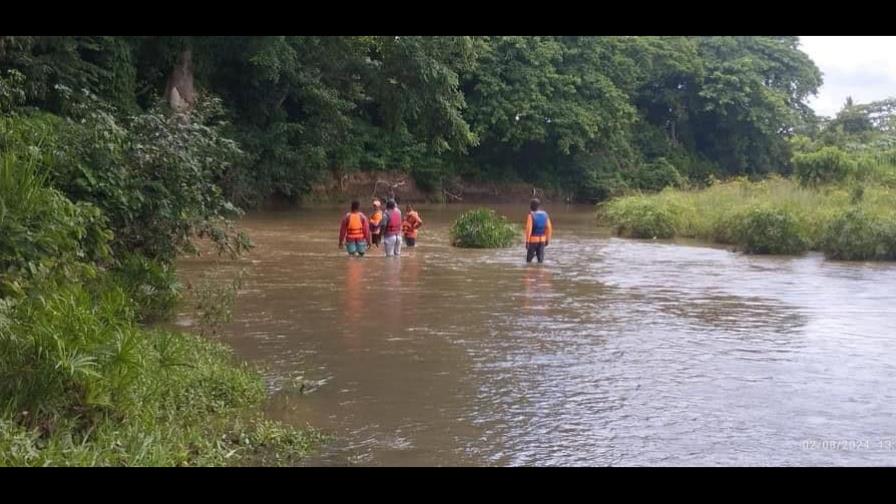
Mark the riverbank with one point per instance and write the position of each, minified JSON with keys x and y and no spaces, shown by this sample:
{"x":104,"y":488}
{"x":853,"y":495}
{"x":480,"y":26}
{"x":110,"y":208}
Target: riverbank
{"x":366,"y":185}
{"x":83,"y":380}
{"x":85,"y":385}
{"x":773,"y":216}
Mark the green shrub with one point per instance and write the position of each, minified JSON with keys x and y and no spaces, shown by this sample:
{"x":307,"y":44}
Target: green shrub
{"x":828,"y":164}
{"x":641,"y":217}
{"x":213,"y":300}
{"x":153,"y":175}
{"x":43,"y":233}
{"x":151,"y":285}
{"x":483,"y":228}
{"x":858,"y":235}
{"x":178,"y":165}
{"x":593,"y":177}
{"x":12,"y":93}
{"x":655,"y":176}
{"x":877,"y":166}
{"x":768,"y":230}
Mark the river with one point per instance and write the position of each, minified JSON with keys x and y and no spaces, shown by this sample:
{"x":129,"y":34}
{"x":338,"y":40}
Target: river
{"x":613,"y":352}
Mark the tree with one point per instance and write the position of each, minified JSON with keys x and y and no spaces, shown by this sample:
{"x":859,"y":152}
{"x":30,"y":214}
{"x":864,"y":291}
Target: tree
{"x":587,"y":114}
{"x":752,"y":96}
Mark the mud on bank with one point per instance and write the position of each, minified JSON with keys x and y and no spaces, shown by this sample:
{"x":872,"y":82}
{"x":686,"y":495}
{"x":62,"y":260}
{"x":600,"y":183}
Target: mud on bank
{"x":402,"y":186}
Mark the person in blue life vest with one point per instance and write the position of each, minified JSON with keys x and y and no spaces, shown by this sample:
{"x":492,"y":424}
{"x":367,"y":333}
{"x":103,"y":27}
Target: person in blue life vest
{"x":538,"y":231}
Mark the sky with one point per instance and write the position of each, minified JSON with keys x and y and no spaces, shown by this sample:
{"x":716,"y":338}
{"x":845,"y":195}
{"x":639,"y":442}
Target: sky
{"x":861,"y":67}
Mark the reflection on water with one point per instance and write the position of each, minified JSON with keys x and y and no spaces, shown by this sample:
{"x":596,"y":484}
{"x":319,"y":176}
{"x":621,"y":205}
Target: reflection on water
{"x":355,"y":299}
{"x":612,"y":352}
{"x":538,"y":291}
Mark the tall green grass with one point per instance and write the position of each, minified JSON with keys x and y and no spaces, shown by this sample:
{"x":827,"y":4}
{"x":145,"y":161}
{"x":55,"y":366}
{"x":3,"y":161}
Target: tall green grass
{"x":82,"y":384}
{"x":773,"y":216}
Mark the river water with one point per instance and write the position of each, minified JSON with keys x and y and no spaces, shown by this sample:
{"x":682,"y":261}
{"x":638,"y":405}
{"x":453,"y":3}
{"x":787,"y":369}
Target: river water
{"x":613,"y":352}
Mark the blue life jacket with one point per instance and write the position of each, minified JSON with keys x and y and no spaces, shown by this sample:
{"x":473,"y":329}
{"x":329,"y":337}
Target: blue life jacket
{"x":539,"y":222}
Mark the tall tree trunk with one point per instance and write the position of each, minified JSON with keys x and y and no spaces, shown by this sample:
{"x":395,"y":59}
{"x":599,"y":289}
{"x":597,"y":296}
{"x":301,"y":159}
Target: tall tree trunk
{"x":179,"y":92}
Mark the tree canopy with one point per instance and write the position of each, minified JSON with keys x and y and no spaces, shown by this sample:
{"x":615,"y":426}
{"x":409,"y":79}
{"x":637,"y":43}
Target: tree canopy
{"x":588,"y":115}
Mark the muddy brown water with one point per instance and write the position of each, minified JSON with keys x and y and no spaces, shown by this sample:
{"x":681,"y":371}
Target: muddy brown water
{"x":613,"y":352}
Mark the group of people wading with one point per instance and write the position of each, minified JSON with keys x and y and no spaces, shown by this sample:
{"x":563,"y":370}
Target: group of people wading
{"x":358,"y":233}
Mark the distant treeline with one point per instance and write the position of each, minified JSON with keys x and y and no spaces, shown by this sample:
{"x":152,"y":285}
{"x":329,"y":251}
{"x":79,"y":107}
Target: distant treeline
{"x":590,"y":116}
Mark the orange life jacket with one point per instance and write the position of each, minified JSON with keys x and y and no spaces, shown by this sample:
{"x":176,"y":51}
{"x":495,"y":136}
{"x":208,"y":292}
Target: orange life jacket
{"x":375,"y":221}
{"x":411,"y":224}
{"x":355,"y":228}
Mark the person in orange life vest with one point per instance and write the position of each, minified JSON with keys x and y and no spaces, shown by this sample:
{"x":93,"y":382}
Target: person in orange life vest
{"x":538,"y":231}
{"x":411,"y":224}
{"x":354,"y":231}
{"x":391,"y":229}
{"x":375,"y":219}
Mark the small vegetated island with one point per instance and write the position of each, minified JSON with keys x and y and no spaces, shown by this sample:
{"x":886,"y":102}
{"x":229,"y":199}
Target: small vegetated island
{"x":483,"y":228}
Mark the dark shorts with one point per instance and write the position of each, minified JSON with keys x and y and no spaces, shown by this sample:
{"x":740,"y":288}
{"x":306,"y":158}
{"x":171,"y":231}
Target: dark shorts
{"x":410,"y":242}
{"x":376,"y":238}
{"x":535,"y":249}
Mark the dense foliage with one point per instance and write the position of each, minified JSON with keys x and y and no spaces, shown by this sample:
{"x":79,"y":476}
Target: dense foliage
{"x":483,"y":228}
{"x":840,"y":199}
{"x":95,"y":204}
{"x":768,"y":229}
{"x":118,"y":153}
{"x":588,"y":116}
{"x":857,"y":234}
{"x":773,"y":216}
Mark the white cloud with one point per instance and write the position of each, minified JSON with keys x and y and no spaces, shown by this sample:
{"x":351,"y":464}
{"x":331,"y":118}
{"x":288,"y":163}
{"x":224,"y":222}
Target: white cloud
{"x":861,"y":67}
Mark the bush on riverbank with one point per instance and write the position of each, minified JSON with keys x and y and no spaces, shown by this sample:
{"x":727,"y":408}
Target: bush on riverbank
{"x":856,"y":234}
{"x":152,"y":285}
{"x":768,"y":230}
{"x":656,"y":176}
{"x":639,"y":217}
{"x":775,"y":215}
{"x":827,"y":165}
{"x":43,"y":233}
{"x":483,"y":228}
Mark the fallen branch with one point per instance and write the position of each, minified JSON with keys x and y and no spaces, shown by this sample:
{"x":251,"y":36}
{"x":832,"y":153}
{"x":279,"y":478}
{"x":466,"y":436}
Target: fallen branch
{"x":455,"y":196}
{"x":392,"y":186}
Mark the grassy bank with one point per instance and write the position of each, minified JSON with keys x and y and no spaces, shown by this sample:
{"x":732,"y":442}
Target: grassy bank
{"x":855,"y":221}
{"x":84,"y":385}
{"x":82,"y":382}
